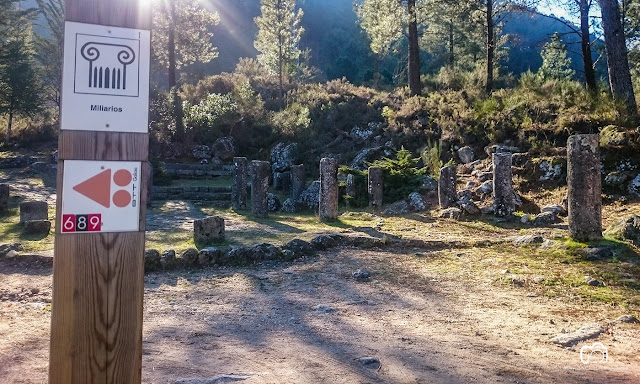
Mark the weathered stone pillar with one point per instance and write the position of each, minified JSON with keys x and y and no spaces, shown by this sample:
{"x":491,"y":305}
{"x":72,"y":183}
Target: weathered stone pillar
{"x":504,"y":203}
{"x":239,"y":186}
{"x":4,"y":197}
{"x":350,"y":186}
{"x":447,"y":194}
{"x":208,"y":230}
{"x":260,"y":187}
{"x":585,"y":187}
{"x":375,"y":188}
{"x":328,"y":189}
{"x":297,"y":181}
{"x":33,"y":210}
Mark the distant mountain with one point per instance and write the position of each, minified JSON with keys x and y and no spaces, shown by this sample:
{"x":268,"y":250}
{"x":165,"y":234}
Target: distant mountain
{"x":528,"y":32}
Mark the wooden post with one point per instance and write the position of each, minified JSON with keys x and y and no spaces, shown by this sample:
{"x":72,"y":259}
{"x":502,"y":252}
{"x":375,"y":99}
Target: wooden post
{"x":98,"y":277}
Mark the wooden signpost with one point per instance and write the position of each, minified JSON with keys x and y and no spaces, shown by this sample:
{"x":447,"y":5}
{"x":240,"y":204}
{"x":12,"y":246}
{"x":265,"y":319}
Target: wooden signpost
{"x":98,"y":271}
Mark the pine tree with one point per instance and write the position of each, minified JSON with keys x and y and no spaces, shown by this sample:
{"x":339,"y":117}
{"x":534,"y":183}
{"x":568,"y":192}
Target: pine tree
{"x":555,"y":63}
{"x":49,"y":48}
{"x":278,"y":39}
{"x":19,"y":88}
{"x":181,"y":37}
{"x":386,"y":22}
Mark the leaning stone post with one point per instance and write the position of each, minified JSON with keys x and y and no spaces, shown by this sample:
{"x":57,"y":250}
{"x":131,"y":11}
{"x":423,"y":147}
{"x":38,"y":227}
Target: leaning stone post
{"x":504,"y":203}
{"x":447,"y":187}
{"x":239,"y":186}
{"x":4,"y":197}
{"x":585,"y":187}
{"x":260,"y":187}
{"x":375,"y":188}
{"x":297,"y":181}
{"x":328,"y":198}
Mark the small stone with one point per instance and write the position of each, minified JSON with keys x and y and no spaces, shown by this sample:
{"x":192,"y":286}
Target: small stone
{"x":469,"y":207}
{"x":398,"y":208}
{"x":209,"y":255}
{"x":416,"y":202}
{"x":485,"y":188}
{"x":539,"y":279}
{"x":190,"y":256}
{"x":466,"y":155}
{"x":554,"y":208}
{"x":451,"y":213}
{"x":525,"y":218}
{"x":584,"y":333}
{"x":370,"y":362}
{"x":627,"y":319}
{"x":168,"y":259}
{"x":35,"y":291}
{"x":546,"y":218}
{"x":528,"y":239}
{"x":361,"y":274}
{"x":208,"y":230}
{"x":273,"y":202}
{"x":593,"y":282}
{"x":151,"y":260}
{"x":596,"y":253}
{"x":323,"y":308}
{"x":11,"y":254}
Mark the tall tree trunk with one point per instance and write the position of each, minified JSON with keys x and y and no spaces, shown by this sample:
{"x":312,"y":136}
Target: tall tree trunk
{"x":451,"y":57}
{"x":175,"y":97}
{"x":280,"y":56}
{"x":615,"y":46}
{"x":9,"y":125}
{"x":587,"y":59}
{"x":172,"y":43}
{"x":415,"y":88}
{"x":491,"y":43}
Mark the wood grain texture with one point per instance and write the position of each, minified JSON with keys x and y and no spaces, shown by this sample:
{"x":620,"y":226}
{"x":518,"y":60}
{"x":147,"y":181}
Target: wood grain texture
{"x":96,"y":320}
{"x":117,"y":13}
{"x":87,"y":145}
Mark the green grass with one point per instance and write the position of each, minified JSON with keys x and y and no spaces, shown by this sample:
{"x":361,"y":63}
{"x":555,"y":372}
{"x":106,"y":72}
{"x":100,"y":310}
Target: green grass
{"x":11,"y":232}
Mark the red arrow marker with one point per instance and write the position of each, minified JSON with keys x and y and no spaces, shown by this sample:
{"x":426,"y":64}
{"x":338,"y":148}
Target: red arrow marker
{"x":97,"y":188}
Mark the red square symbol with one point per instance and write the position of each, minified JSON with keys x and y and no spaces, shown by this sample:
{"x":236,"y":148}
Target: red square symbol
{"x":68,"y":223}
{"x":95,"y":222}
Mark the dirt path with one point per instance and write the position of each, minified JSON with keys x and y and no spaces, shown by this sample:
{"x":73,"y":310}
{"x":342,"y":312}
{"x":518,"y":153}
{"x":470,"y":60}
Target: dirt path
{"x":311,"y":322}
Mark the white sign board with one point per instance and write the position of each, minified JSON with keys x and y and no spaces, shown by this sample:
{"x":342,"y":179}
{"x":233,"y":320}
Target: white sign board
{"x":105,"y":78}
{"x":100,"y":196}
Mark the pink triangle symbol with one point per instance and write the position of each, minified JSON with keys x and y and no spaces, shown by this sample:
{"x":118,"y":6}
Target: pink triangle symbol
{"x":97,"y":188}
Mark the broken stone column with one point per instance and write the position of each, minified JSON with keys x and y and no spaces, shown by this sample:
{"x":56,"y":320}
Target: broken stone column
{"x":585,"y":187}
{"x":4,"y":198}
{"x":375,"y":188}
{"x":297,"y":181}
{"x":504,"y":203}
{"x":239,"y":186}
{"x":260,"y":187}
{"x":328,"y":199}
{"x":33,"y":210}
{"x":350,"y":186}
{"x":208,"y":230}
{"x":447,"y":194}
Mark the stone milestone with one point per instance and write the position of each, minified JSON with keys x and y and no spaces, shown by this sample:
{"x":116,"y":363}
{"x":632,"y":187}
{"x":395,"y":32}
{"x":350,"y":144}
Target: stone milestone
{"x":208,"y":230}
{"x":260,"y":188}
{"x":447,"y":195}
{"x":297,"y":181}
{"x":585,"y":187}
{"x":503,"y":197}
{"x":328,"y":199}
{"x":375,"y":188}
{"x":4,"y":197}
{"x":239,"y":186}
{"x":33,"y":210}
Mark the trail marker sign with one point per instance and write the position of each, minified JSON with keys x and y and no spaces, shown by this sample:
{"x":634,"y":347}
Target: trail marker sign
{"x":105,"y":81}
{"x":101,"y":196}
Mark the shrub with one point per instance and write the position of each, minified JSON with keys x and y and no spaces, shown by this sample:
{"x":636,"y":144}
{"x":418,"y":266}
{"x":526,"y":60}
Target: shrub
{"x":401,"y":176}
